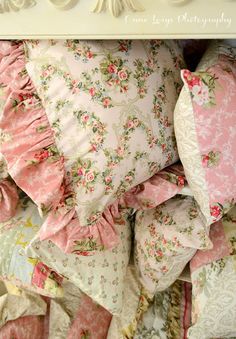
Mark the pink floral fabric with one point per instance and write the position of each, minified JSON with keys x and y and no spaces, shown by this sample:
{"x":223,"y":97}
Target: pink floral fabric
{"x":37,"y":147}
{"x":8,"y":200}
{"x":220,"y":248}
{"x":213,"y":93}
{"x":92,"y":321}
{"x":30,"y":152}
{"x":166,"y":238}
{"x":29,"y":327}
{"x":156,"y":190}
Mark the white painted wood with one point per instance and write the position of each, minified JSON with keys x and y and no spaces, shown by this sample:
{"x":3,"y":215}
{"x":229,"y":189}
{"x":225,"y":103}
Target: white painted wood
{"x":159,"y":19}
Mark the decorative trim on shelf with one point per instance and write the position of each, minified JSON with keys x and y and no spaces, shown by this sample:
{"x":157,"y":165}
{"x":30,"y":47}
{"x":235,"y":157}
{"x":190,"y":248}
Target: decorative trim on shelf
{"x":63,"y":4}
{"x":15,"y":5}
{"x":116,"y":7}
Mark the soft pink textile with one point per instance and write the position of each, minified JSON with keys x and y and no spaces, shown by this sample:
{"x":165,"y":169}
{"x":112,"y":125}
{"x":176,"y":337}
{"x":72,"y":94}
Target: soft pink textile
{"x":8,"y":200}
{"x":33,"y":161}
{"x":156,"y":190}
{"x":213,"y":94}
{"x":220,"y":248}
{"x":37,"y":167}
{"x":30,"y":327}
{"x":92,"y":321}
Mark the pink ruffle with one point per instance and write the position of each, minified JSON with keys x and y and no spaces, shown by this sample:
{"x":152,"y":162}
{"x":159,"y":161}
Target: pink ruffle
{"x":26,"y":123}
{"x":27,"y":153}
{"x":44,"y":181}
{"x":8,"y":200}
{"x":87,"y":239}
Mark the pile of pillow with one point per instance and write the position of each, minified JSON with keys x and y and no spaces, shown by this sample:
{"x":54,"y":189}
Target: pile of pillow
{"x":111,"y":149}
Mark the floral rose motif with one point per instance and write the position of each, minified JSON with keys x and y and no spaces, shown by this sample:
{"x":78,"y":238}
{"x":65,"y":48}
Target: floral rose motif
{"x":92,"y":91}
{"x":83,"y":176}
{"x":202,"y":87}
{"x":107,"y":102}
{"x":115,"y":73}
{"x":216,"y":211}
{"x":180,"y":181}
{"x":90,"y":176}
{"x":112,"y":68}
{"x":122,"y":75}
{"x":211,"y":159}
{"x":42,"y":155}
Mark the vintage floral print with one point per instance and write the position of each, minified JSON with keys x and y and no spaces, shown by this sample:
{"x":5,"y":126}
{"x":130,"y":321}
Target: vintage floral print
{"x":166,"y":238}
{"x":223,"y":237}
{"x":205,"y":114}
{"x":100,"y":276}
{"x":135,"y":302}
{"x":105,"y":102}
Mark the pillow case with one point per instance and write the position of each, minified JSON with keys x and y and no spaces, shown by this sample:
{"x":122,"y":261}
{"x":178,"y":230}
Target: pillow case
{"x":15,"y":266}
{"x":80,"y":316}
{"x":100,"y":276}
{"x":205,"y":116}
{"x":107,"y":126}
{"x":135,"y":302}
{"x":166,"y":238}
{"x":213,"y":275}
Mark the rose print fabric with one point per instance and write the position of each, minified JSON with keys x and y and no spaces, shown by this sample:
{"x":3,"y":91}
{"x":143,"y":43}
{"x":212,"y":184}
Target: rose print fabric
{"x":15,"y":266}
{"x":156,"y":190}
{"x":113,"y":93}
{"x":213,"y":276}
{"x":100,"y":276}
{"x":135,"y":302}
{"x":80,"y":317}
{"x":166,"y":238}
{"x":91,"y":321}
{"x":205,"y":117}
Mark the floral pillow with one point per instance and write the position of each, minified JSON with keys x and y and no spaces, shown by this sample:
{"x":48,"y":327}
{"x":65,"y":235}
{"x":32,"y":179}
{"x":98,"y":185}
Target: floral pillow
{"x":106,"y":125}
{"x":166,"y":238}
{"x":205,"y":116}
{"x":213,"y":275}
{"x":135,"y":302}
{"x":100,"y":276}
{"x":15,"y":266}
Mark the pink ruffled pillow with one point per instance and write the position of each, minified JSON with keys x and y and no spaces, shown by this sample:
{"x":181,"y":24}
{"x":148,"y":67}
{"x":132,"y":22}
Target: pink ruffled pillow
{"x":205,"y":120}
{"x":79,"y":151}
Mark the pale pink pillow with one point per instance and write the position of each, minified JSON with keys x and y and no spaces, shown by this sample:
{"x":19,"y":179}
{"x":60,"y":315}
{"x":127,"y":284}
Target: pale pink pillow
{"x":205,"y":120}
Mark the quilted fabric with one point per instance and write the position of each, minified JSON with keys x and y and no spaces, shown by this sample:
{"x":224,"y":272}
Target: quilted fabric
{"x":15,"y":266}
{"x":213,"y":277}
{"x":205,"y":117}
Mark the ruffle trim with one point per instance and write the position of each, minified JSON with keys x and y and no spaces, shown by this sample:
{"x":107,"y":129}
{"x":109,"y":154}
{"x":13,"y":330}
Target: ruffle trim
{"x":144,"y":301}
{"x":38,"y":169}
{"x":36,"y":165}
